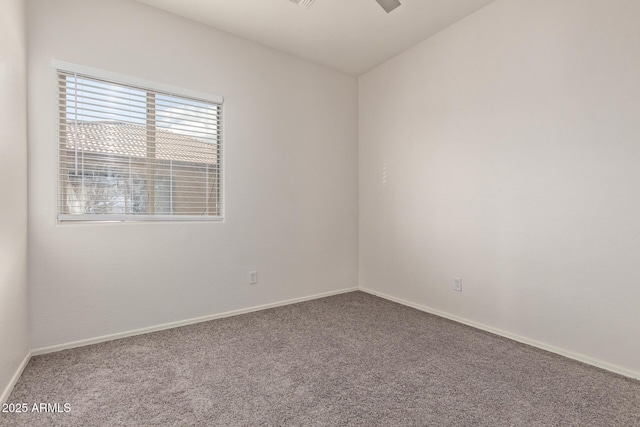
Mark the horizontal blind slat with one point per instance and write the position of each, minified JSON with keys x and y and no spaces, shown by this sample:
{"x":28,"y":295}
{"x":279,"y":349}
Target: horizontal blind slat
{"x":73,"y":100}
{"x":87,"y":79}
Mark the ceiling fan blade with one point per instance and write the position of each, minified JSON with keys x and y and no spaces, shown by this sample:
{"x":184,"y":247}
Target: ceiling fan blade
{"x":388,"y":5}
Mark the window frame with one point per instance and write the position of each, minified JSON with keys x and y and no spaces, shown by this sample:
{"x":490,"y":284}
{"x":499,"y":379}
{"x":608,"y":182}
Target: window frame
{"x":143,"y":84}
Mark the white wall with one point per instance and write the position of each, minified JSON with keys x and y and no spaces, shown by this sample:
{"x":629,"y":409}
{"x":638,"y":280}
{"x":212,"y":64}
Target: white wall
{"x":512,"y":147}
{"x":13,"y":191}
{"x":291,"y":179}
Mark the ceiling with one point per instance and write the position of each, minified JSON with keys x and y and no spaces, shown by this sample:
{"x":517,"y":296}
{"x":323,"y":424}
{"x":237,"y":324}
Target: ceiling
{"x":353,"y":36}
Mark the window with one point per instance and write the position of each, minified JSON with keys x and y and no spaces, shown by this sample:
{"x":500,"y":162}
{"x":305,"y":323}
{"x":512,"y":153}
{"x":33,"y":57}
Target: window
{"x":131,"y":153}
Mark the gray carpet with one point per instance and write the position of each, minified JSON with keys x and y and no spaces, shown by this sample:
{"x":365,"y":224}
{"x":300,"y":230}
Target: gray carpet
{"x":351,"y":359}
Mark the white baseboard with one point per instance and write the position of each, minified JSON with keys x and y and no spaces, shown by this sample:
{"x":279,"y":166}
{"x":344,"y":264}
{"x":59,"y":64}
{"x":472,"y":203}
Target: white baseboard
{"x":571,"y":355}
{"x":111,"y":337}
{"x":9,"y":388}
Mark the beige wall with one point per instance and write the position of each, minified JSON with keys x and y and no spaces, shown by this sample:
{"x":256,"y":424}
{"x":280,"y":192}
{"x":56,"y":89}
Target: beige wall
{"x":511,"y":143}
{"x":290,"y":179}
{"x":13,"y":192}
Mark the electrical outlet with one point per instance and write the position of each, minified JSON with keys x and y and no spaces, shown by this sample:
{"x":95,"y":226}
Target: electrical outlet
{"x":457,"y":284}
{"x":253,"y":277}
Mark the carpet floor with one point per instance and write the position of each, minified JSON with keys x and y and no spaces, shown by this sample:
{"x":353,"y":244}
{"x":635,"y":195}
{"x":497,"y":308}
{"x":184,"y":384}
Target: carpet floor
{"x":347,"y":360}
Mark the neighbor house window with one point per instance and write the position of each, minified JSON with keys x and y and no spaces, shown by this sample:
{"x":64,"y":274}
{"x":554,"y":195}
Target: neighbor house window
{"x":129,"y":152}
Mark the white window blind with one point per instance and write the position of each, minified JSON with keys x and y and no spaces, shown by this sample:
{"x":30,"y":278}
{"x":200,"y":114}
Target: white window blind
{"x":134,"y":153}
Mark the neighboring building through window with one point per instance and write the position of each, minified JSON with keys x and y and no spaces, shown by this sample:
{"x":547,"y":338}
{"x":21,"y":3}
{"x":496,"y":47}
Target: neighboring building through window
{"x":132,"y":153}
